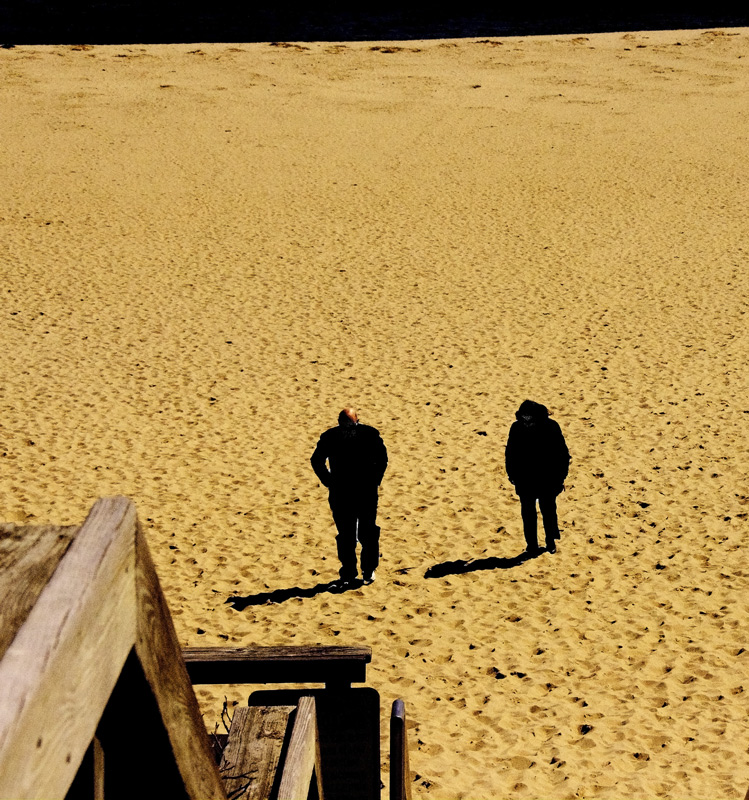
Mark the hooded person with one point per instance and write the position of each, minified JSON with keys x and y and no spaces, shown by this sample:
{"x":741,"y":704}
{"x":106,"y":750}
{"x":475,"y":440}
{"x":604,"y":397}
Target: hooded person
{"x":350,"y":460}
{"x":537,"y":461}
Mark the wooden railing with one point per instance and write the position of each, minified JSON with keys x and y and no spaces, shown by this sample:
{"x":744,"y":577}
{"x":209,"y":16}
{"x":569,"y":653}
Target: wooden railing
{"x":335,"y":666}
{"x":96,"y":695}
{"x":94,"y":656}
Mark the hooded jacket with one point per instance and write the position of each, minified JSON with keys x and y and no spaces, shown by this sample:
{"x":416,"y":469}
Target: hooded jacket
{"x":536,"y":456}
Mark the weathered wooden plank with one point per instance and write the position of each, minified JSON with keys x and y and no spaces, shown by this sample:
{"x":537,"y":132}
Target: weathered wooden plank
{"x":158,"y":650}
{"x":348,"y":723}
{"x":328,"y":664}
{"x":302,"y":762}
{"x":253,"y":751}
{"x":58,"y":672}
{"x":29,"y":554}
{"x":400,"y":771}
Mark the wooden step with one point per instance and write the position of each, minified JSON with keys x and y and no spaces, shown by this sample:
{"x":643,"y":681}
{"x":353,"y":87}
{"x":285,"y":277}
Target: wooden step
{"x":273,"y":753}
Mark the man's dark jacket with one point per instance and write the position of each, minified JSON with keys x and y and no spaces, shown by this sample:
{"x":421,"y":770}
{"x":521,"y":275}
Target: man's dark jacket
{"x":536,"y":456}
{"x":356,"y":454}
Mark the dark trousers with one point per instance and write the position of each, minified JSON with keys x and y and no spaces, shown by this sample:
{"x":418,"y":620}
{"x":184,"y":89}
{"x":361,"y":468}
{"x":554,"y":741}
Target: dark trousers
{"x":547,"y":504}
{"x":355,"y":514}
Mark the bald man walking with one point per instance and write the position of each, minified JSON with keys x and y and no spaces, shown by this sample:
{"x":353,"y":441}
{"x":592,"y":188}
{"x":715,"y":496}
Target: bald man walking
{"x":350,"y":460}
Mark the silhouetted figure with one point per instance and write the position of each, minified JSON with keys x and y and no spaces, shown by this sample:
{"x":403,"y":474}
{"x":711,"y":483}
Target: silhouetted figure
{"x":356,"y":462}
{"x":537,"y":462}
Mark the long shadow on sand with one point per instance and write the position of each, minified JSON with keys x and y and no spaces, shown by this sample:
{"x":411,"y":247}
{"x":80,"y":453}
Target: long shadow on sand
{"x":281,"y":595}
{"x":461,"y":566}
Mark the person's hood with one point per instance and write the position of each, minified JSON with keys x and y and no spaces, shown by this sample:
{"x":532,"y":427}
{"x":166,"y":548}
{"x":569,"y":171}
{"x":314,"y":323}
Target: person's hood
{"x":535,"y":410}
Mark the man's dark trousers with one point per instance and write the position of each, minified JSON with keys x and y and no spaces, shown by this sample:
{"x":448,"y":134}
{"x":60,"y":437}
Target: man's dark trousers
{"x":547,"y":504}
{"x":352,"y":505}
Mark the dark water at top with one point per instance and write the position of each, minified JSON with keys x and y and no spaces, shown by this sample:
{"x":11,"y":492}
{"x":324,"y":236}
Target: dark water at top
{"x":168,"y":21}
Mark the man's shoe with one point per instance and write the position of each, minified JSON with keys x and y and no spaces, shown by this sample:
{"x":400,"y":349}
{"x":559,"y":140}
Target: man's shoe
{"x":343,"y":583}
{"x":551,"y":548}
{"x":533,"y":552}
{"x":369,"y":579}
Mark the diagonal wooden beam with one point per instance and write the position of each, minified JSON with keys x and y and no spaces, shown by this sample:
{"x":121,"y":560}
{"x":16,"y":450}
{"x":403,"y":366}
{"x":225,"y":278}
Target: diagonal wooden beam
{"x":160,"y":656}
{"x":58,"y":672}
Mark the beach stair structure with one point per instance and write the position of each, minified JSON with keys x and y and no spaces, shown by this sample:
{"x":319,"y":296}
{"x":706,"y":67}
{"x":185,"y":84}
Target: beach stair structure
{"x":97,"y":699}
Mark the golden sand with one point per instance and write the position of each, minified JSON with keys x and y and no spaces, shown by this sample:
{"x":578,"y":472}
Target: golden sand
{"x":208,"y":250}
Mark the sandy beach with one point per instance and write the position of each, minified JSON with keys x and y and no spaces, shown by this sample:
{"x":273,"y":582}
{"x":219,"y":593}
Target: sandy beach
{"x":210,"y":249}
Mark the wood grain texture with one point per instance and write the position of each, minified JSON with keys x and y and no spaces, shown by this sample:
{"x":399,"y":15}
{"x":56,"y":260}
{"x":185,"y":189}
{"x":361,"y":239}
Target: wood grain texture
{"x":293,"y":664}
{"x":302,"y":762}
{"x":158,"y":650}
{"x":59,"y":670}
{"x":253,"y":751}
{"x":29,"y":554}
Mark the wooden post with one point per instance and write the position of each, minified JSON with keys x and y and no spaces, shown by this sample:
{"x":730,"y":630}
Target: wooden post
{"x":400,"y":771}
{"x":98,"y":759}
{"x":302,"y":763}
{"x":89,"y":780}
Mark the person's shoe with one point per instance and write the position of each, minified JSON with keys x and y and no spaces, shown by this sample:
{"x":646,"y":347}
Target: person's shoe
{"x":343,"y":583}
{"x":532,"y":552}
{"x":369,"y":578}
{"x":551,"y":548}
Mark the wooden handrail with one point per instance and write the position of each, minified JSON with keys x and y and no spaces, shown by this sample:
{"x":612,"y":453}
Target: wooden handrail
{"x":400,"y":771}
{"x":333,"y":665}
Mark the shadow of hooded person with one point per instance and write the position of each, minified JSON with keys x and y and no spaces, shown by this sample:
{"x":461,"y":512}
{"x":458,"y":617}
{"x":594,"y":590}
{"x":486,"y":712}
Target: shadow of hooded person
{"x":537,"y":462}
